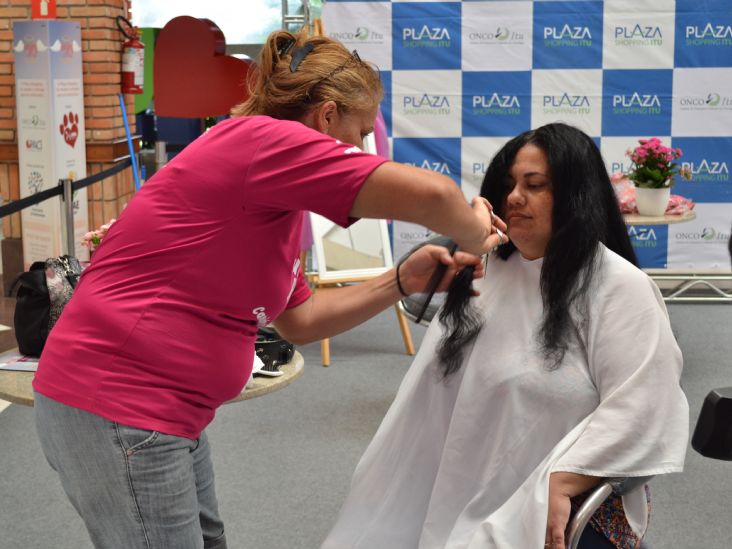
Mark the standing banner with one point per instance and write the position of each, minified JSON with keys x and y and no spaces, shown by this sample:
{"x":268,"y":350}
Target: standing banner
{"x":462,"y":78}
{"x":49,"y":95}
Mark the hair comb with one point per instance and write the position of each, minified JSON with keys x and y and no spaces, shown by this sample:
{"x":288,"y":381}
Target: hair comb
{"x":437,"y":275}
{"x":298,"y":55}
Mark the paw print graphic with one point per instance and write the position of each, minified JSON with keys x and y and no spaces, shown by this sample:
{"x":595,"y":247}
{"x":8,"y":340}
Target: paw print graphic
{"x":70,"y":128}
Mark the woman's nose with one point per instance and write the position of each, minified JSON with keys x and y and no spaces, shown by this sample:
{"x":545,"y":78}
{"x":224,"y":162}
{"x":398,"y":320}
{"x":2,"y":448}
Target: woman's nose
{"x":515,"y":197}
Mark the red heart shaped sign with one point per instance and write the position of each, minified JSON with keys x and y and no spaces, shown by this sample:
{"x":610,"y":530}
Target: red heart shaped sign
{"x":194,"y":78}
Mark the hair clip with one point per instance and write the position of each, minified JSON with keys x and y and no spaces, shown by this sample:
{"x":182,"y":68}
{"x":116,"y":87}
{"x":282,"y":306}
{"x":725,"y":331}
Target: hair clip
{"x":286,"y":46}
{"x":282,"y":50}
{"x":298,"y":55}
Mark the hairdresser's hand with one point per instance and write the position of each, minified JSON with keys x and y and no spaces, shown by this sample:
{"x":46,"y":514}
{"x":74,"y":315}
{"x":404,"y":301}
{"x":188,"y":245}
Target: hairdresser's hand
{"x":415,"y":273}
{"x":495,"y":229}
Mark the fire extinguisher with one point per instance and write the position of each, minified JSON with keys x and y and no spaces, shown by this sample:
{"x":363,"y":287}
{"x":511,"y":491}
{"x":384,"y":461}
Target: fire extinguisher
{"x":133,"y":58}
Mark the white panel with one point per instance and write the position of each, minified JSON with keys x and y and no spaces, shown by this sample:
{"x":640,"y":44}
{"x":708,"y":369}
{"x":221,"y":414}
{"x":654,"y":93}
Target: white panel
{"x":427,"y":103}
{"x":702,"y":103}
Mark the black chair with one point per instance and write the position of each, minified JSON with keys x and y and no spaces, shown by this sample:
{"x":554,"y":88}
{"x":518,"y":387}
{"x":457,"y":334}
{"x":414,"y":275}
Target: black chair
{"x":713,"y":433}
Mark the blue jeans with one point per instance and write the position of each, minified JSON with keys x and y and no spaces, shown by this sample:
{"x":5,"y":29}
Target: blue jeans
{"x":132,"y":487}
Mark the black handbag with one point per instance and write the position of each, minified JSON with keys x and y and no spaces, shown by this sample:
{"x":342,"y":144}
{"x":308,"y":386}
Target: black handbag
{"x":42,"y":293}
{"x":272,"y":350}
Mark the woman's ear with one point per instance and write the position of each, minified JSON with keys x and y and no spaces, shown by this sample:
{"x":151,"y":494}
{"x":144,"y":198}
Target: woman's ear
{"x":322,"y":117}
{"x":326,"y":116}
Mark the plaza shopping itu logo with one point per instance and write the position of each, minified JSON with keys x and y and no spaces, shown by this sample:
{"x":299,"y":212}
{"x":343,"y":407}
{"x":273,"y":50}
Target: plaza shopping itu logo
{"x":708,"y":34}
{"x":642,"y":237}
{"x":567,"y":36}
{"x":636,"y":103}
{"x":638,"y":35}
{"x":706,"y":170}
{"x":502,"y":35}
{"x":566,"y":103}
{"x":478,"y":168}
{"x":496,"y":104}
{"x":426,"y":37}
{"x":433,"y":165}
{"x":361,"y":34}
{"x":618,"y":166}
{"x":426,"y":104}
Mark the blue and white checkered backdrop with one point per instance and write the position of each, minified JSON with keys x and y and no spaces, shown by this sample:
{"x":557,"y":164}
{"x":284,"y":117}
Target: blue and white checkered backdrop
{"x":461,"y":78}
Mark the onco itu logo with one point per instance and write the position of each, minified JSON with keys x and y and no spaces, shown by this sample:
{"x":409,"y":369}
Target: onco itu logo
{"x":502,"y":35}
{"x":708,"y":35}
{"x":706,"y":235}
{"x":426,"y":37}
{"x":362,"y":34}
{"x":636,"y":103}
{"x":704,"y":102}
{"x":426,"y":104}
{"x":415,"y":235}
{"x":638,"y":35}
{"x":496,"y":104}
{"x":567,"y":35}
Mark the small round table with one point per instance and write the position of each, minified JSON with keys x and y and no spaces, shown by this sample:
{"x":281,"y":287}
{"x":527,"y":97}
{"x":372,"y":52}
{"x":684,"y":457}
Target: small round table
{"x":686,"y":280}
{"x":16,"y":386}
{"x":637,"y":219}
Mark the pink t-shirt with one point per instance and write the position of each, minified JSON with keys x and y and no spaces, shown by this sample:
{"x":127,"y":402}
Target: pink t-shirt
{"x":161,"y":327}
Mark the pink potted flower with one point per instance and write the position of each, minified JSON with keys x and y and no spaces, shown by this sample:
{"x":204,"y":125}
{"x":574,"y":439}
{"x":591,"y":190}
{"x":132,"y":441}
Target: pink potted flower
{"x":652,"y":172}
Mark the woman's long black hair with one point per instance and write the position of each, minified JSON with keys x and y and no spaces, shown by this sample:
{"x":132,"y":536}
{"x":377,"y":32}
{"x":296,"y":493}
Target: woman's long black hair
{"x":585,"y":213}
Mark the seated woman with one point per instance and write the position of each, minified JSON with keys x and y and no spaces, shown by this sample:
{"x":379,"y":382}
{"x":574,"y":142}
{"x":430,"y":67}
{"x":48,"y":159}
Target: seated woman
{"x":562,"y":372}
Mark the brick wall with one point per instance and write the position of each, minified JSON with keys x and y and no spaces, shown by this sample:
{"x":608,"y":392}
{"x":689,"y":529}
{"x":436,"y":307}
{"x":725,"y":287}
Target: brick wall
{"x":101,"y":58}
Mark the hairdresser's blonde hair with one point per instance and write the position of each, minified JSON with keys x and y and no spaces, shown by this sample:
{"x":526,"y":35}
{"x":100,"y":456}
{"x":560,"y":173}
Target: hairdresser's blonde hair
{"x":328,"y":73}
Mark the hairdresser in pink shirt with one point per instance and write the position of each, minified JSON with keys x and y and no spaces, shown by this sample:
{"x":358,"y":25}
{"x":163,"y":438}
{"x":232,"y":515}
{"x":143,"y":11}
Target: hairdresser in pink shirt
{"x":162,"y":325}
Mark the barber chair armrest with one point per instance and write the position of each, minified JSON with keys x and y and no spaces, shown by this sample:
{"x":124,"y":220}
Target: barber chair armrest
{"x":618,"y":486}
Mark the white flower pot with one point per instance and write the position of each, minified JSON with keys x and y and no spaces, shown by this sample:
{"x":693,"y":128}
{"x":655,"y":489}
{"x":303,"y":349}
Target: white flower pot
{"x":652,"y":202}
